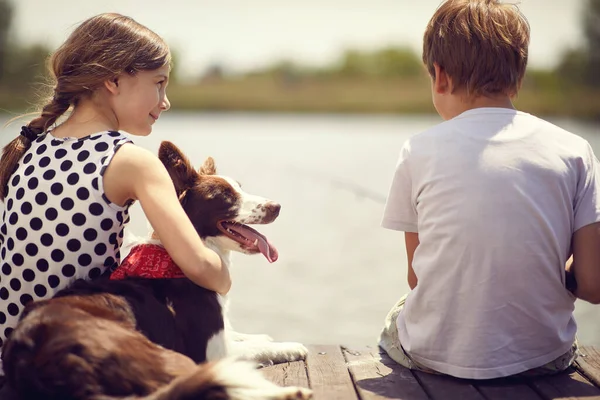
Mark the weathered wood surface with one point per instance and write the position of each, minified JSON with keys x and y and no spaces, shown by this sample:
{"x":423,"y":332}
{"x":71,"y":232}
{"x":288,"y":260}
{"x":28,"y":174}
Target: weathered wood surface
{"x":348,"y":373}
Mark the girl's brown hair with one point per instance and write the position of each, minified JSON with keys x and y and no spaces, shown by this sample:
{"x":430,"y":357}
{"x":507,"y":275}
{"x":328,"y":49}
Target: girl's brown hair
{"x":98,"y":50}
{"x":481,"y":44}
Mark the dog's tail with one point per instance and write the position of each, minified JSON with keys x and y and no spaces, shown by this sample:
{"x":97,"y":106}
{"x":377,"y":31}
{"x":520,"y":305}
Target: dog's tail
{"x":228,"y":379}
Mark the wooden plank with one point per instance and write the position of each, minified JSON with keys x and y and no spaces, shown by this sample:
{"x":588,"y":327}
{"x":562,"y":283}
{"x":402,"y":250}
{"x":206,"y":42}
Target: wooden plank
{"x":447,"y":388}
{"x":506,"y":389}
{"x":328,"y":375}
{"x":287,"y":374}
{"x":566,"y":386}
{"x":588,"y":364}
{"x":377,"y":377}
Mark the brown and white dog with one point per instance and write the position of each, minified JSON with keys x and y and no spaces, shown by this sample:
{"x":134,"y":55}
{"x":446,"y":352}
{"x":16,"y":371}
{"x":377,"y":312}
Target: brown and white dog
{"x":154,"y":338}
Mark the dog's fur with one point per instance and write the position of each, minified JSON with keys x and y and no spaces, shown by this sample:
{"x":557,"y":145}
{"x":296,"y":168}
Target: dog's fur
{"x":144,"y":338}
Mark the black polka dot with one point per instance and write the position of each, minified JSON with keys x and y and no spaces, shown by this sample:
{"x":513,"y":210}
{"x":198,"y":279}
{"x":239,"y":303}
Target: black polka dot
{"x":21,"y":234}
{"x":33,"y":183}
{"x":15,"y":284}
{"x":114,"y":134}
{"x":40,"y":290}
{"x":51,"y":214}
{"x":60,"y":153}
{"x":78,"y":219}
{"x":42,"y":265}
{"x":73,"y":245}
{"x":9,"y":204}
{"x":72,"y":179}
{"x":121,"y":234}
{"x":47,"y":239}
{"x":95,"y":273}
{"x":41,"y":198}
{"x":82,"y":156}
{"x":10,"y":244}
{"x":89,"y":168}
{"x":49,"y":175}
{"x":112,"y":239}
{"x":3,"y":253}
{"x":20,"y":193}
{"x":56,"y":188}
{"x":41,"y":149}
{"x":109,"y":262}
{"x":103,"y":160}
{"x":102,"y":146}
{"x":13,"y":219}
{"x":2,"y":319}
{"x":67,"y":204}
{"x":3,"y":229}
{"x":96,"y":209}
{"x":53,"y":281}
{"x":25,"y":298}
{"x":57,"y":255}
{"x":31,"y":249}
{"x":95,"y":183}
{"x":29,"y":170}
{"x":77,"y":145}
{"x":62,"y":230}
{"x":16,"y":180}
{"x":4,"y":293}
{"x":106,"y":224}
{"x":8,"y":332}
{"x":84,"y":260}
{"x":83,"y":193}
{"x":6,"y":269}
{"x":27,"y":158}
{"x":120,"y":217}
{"x":28,"y":275}
{"x":26,"y":208}
{"x":44,"y":162}
{"x":17,"y":259}
{"x":100,"y":249}
{"x":13,"y":309}
{"x":68,"y":271}
{"x":90,"y":234}
{"x":66,"y":165}
{"x":36,"y":224}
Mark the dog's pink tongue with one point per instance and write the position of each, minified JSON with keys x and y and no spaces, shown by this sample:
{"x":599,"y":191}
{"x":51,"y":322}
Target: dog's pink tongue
{"x":263,"y":244}
{"x":267,"y":249}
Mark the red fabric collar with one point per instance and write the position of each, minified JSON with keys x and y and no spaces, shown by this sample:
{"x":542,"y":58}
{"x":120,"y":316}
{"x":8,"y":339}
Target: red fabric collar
{"x":147,"y":261}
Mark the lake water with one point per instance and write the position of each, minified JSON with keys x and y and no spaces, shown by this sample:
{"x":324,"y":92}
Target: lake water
{"x":339,"y":272}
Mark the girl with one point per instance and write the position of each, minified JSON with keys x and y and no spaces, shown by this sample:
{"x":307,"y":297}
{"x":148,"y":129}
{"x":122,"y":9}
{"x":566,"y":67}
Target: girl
{"x":67,"y":191}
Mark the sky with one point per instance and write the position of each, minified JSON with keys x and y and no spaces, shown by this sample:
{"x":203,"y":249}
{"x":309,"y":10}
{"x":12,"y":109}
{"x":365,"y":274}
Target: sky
{"x":246,"y":34}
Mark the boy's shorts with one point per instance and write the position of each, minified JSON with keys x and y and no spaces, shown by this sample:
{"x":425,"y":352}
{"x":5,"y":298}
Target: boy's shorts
{"x":390,"y":343}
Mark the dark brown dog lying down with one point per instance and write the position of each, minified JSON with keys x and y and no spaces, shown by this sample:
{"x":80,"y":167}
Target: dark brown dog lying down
{"x":143,"y":338}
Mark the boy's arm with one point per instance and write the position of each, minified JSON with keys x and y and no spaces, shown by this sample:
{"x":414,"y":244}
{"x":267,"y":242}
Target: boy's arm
{"x":586,"y":263}
{"x":411,"y":239}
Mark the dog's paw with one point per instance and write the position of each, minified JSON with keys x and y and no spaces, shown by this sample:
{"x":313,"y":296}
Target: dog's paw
{"x":297,"y":393}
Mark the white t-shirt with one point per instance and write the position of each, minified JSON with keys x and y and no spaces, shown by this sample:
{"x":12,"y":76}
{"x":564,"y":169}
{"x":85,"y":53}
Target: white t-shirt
{"x":495,"y":195}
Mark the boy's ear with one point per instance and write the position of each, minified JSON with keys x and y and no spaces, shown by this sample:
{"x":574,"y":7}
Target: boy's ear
{"x":179,"y":167}
{"x":442,"y":83}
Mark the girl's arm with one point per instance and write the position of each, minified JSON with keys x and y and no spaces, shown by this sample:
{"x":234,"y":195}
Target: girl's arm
{"x":411,"y":240}
{"x":136,"y":173}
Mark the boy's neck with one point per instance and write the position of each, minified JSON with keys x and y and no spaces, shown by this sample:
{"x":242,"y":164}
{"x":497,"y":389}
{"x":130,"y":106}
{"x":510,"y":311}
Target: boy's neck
{"x":465,"y":103}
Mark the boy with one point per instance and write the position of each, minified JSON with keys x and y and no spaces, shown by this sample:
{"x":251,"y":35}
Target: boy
{"x":493,"y":202}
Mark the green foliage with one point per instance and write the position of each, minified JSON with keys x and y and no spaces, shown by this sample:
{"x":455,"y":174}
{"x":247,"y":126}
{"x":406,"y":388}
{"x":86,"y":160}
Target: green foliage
{"x":386,"y":62}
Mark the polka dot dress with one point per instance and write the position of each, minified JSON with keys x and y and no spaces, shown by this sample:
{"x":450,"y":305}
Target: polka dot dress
{"x":58,"y":225}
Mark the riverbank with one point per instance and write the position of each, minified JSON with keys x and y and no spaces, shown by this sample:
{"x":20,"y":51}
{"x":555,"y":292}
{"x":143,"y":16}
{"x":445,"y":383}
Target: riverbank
{"x":540,"y":95}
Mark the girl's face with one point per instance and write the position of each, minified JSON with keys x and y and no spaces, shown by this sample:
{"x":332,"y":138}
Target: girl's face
{"x":139,"y":100}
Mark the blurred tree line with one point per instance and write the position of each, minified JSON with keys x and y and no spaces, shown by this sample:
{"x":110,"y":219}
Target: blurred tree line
{"x":575,"y":82}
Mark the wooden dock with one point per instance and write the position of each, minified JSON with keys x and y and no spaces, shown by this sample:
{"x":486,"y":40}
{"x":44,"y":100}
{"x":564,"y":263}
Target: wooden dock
{"x":347,"y":373}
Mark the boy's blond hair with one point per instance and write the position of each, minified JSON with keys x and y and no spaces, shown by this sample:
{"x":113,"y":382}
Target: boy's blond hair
{"x":481,"y":44}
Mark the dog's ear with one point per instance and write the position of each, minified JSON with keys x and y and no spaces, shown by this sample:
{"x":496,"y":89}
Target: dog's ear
{"x":208,"y":168}
{"x":179,"y":167}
